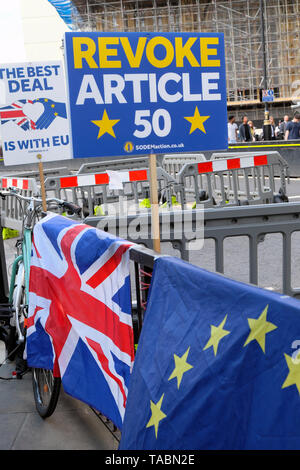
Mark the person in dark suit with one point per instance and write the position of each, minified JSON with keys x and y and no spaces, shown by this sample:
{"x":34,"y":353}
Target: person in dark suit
{"x":245,"y":131}
{"x":282,"y":127}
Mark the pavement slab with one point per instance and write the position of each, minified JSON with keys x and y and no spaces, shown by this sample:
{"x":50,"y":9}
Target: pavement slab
{"x":73,"y":425}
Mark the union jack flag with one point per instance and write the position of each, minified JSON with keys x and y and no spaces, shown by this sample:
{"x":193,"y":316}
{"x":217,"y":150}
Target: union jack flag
{"x":79,"y":322}
{"x":14,"y":112}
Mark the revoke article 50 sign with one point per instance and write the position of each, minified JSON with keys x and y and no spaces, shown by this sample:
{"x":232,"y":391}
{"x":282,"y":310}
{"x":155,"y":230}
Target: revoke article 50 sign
{"x":137,"y":93}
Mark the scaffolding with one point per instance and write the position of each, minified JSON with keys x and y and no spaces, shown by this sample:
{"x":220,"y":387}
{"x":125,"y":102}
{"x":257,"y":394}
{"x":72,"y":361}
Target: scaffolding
{"x":239,"y":20}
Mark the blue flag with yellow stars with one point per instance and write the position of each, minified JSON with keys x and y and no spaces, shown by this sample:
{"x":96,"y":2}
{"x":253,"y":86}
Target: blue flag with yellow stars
{"x":217,"y":365}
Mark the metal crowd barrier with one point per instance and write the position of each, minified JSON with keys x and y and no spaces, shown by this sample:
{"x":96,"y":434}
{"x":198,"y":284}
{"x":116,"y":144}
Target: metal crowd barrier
{"x":234,"y":181}
{"x":137,"y":228}
{"x":35,"y":174}
{"x":252,"y":222}
{"x":173,"y":163}
{"x":280,"y":167}
{"x":215,"y":183}
{"x":90,"y":190}
{"x":115,"y":165}
{"x":11,"y":209}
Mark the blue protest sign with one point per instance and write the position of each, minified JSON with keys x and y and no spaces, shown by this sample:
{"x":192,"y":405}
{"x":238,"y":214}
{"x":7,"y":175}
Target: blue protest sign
{"x":137,"y":93}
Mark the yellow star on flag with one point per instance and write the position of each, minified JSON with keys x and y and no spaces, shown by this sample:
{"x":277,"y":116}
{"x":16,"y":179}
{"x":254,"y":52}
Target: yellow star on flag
{"x":181,"y":366}
{"x":216,"y":334}
{"x":259,"y":328}
{"x":197,"y":121}
{"x":293,"y":377}
{"x":157,"y":414}
{"x":106,"y":125}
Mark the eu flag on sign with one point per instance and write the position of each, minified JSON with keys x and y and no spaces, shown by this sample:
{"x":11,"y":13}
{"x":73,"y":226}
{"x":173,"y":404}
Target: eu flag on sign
{"x":217,"y":365}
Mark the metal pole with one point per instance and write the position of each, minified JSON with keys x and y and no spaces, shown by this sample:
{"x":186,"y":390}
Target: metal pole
{"x":267,"y":125}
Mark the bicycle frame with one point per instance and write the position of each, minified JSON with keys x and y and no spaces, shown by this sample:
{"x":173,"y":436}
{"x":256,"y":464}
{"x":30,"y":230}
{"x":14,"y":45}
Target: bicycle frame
{"x":23,"y":259}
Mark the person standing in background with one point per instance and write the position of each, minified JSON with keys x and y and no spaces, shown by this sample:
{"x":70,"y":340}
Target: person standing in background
{"x":252,"y":130}
{"x":273,"y":127}
{"x":293,"y":128}
{"x":282,"y":127}
{"x":244,"y":130}
{"x":232,"y":130}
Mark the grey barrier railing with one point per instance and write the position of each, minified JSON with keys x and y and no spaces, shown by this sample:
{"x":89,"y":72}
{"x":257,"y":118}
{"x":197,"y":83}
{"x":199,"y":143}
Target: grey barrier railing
{"x":117,"y":165}
{"x":252,"y":222}
{"x":137,"y":228}
{"x":61,"y":171}
{"x":251,"y":181}
{"x":11,"y":208}
{"x":247,"y":180}
{"x":90,"y":190}
{"x":279,"y":169}
{"x":173,"y":163}
{"x":219,"y":182}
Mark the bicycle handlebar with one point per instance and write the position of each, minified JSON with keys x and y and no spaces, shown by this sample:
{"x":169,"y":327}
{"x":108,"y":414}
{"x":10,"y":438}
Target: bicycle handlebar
{"x":73,"y":208}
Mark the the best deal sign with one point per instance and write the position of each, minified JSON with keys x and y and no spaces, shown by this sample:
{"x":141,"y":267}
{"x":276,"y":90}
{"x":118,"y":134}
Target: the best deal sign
{"x":33,"y":112}
{"x":137,"y":93}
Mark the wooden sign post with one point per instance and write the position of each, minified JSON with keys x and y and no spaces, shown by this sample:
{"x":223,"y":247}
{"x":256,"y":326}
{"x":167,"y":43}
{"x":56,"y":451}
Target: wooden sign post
{"x":42,"y":180}
{"x":154,"y":203}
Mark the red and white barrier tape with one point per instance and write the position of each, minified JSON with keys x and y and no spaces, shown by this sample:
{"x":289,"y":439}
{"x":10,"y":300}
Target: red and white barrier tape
{"x":232,"y":164}
{"x":101,"y":178}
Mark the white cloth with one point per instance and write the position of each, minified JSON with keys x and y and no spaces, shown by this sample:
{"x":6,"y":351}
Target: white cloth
{"x":116,"y":179}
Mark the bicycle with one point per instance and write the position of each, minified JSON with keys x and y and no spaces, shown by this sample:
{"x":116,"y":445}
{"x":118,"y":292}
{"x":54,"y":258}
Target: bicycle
{"x":46,"y":387}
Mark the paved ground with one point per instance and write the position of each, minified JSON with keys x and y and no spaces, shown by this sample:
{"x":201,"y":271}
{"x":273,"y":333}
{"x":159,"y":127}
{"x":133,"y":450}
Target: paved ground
{"x":73,"y":426}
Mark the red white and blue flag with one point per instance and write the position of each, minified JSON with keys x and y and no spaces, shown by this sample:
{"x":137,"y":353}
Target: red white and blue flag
{"x":79,"y":322}
{"x":14,"y":112}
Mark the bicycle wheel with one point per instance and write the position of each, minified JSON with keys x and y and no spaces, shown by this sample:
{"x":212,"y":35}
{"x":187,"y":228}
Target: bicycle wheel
{"x":46,"y":390}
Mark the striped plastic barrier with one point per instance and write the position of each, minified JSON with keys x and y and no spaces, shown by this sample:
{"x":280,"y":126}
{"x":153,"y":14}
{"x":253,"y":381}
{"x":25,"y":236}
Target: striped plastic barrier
{"x":101,"y":178}
{"x":248,"y":179}
{"x":11,"y":211}
{"x":26,"y":184}
{"x":232,"y":163}
{"x":88,"y":188}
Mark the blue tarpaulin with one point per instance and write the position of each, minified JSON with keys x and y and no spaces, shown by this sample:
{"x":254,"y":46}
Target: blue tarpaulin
{"x":64,"y":9}
{"x":217,"y":365}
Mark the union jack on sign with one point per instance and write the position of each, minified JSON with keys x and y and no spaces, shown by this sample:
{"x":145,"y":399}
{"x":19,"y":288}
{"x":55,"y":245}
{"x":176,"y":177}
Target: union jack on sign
{"x":14,"y":112}
{"x":79,"y":321}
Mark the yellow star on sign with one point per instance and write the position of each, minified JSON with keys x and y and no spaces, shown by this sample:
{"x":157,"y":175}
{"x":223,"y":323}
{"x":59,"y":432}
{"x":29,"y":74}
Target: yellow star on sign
{"x":181,"y":366}
{"x":293,"y":377}
{"x":259,"y":329}
{"x":106,"y":125}
{"x":157,"y":414}
{"x":216,"y":334}
{"x":197,"y":121}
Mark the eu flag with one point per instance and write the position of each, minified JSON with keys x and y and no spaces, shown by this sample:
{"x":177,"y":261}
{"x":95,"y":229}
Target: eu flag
{"x":217,"y":365}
